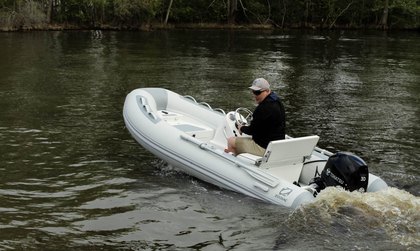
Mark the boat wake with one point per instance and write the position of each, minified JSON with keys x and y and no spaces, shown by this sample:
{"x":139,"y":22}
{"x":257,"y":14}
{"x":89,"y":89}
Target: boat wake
{"x":394,"y":212}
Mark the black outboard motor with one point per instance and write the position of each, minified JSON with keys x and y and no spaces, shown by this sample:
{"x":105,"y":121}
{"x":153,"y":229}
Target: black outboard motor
{"x":343,"y":169}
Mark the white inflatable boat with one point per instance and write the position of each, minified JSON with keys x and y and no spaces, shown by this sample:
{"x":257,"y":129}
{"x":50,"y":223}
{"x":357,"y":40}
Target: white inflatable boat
{"x":192,"y":137}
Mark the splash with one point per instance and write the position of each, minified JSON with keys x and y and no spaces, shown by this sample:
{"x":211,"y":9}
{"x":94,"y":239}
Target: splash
{"x":163,"y":168}
{"x":394,"y":211}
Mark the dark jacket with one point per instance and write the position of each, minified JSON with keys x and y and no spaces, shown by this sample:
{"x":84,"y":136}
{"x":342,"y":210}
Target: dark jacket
{"x":268,"y":122}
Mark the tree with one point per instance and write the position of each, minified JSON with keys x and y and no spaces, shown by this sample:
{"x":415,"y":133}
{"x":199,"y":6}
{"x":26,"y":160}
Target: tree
{"x":167,"y":12}
{"x":384,"y":20}
{"x":232,"y":7}
{"x":384,"y":14}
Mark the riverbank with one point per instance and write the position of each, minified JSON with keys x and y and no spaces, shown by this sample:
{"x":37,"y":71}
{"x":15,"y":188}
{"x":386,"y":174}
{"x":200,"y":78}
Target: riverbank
{"x":147,"y":15}
{"x":161,"y":26}
{"x":143,"y":27}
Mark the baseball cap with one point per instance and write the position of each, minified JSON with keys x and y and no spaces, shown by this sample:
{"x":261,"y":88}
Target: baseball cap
{"x":260,"y":84}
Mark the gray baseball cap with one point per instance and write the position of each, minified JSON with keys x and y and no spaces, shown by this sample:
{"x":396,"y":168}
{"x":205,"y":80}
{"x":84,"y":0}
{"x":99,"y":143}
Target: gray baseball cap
{"x":260,"y":84}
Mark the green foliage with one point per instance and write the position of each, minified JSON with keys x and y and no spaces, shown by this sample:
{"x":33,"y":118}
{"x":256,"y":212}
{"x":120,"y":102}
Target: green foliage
{"x":187,"y":11}
{"x":16,"y":14}
{"x":32,"y":13}
{"x":135,"y":11}
{"x":21,"y":14}
{"x":404,"y":12}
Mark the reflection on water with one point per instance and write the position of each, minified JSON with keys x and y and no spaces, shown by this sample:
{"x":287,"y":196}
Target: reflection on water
{"x":73,"y":178}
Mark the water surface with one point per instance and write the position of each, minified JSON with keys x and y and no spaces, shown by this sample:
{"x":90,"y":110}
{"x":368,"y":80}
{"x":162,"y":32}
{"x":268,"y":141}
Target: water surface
{"x":73,"y":178}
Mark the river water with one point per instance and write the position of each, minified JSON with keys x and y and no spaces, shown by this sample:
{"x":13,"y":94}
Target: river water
{"x":72,"y":178}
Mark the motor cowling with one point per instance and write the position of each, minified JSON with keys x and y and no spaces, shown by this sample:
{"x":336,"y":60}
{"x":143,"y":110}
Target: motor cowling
{"x":345,"y":170}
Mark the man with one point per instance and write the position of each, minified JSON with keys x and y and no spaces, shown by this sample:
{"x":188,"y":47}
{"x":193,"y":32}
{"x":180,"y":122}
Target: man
{"x":268,"y":123}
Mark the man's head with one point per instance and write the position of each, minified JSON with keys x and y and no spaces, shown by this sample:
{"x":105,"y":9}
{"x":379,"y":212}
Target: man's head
{"x":260,"y":88}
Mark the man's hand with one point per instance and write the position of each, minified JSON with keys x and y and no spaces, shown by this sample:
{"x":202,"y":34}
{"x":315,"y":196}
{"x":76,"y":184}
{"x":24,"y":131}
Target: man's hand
{"x":238,"y":126}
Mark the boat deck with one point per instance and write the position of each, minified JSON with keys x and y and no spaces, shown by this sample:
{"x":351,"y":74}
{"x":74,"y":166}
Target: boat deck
{"x":188,"y":125}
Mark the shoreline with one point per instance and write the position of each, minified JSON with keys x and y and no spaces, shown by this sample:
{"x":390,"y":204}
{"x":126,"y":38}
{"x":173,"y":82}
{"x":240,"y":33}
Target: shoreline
{"x":142,"y":27}
{"x":209,"y":26}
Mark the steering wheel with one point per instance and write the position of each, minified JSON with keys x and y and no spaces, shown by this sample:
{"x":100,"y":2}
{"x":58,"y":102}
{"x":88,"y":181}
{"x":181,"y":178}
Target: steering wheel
{"x":243,"y":116}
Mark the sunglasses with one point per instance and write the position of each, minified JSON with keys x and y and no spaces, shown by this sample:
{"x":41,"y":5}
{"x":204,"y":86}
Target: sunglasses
{"x":256,"y":93}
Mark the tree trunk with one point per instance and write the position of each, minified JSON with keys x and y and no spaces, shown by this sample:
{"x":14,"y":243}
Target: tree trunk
{"x":284,"y":14}
{"x":232,"y":7}
{"x":306,"y":14}
{"x":384,"y":20}
{"x":168,"y":11}
{"x":49,"y":11}
{"x":269,"y":12}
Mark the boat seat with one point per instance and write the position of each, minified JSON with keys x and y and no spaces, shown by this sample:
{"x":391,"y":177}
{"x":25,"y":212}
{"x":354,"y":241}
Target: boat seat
{"x":284,"y":158}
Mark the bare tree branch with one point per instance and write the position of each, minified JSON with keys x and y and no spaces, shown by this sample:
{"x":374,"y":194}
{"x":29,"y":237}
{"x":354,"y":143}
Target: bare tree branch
{"x":341,"y":13}
{"x":167,"y":12}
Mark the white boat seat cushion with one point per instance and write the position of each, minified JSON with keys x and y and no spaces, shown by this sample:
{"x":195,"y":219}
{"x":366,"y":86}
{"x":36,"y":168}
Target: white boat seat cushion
{"x":285,"y":158}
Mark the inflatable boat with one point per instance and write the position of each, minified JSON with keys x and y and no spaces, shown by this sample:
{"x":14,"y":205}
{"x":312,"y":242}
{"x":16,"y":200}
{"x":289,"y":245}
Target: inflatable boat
{"x":191,"y":136}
